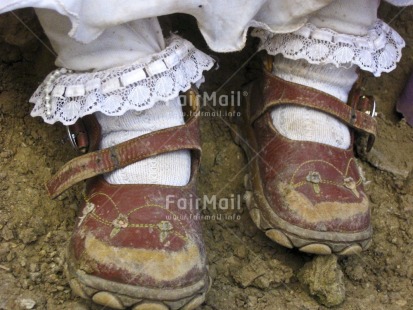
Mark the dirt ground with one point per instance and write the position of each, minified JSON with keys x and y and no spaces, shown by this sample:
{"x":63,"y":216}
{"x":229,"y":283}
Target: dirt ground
{"x":248,"y":270}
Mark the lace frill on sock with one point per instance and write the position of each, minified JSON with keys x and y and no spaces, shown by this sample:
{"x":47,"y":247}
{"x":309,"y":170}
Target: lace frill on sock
{"x":117,"y":90}
{"x":376,"y":52}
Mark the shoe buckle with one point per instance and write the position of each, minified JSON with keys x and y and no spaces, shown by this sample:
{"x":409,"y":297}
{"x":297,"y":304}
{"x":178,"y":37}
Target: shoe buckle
{"x":72,"y":138}
{"x":373,"y":112}
{"x":367,"y":104}
{"x":78,"y":136}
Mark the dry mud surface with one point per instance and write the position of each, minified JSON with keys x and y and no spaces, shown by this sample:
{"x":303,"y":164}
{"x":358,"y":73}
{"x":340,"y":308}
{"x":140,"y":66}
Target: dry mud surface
{"x":248,"y":270}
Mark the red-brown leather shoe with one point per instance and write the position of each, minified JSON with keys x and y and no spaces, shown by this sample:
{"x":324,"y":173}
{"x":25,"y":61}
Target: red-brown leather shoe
{"x":304,"y":194}
{"x":132,"y":245}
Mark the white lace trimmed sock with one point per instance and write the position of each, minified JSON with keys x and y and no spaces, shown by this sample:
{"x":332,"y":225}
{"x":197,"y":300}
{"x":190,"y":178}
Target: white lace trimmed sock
{"x":304,"y":124}
{"x":172,"y":168}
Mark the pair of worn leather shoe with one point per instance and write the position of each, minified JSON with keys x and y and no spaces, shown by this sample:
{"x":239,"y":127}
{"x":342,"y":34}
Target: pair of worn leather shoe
{"x":134,"y":247}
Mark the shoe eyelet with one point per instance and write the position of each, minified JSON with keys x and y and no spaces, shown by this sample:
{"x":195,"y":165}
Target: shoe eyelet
{"x":121,"y":221}
{"x":313,"y":177}
{"x":351,"y":185}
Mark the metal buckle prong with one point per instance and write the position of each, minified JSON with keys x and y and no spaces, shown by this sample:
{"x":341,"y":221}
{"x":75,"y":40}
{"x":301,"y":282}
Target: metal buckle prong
{"x":72,"y":138}
{"x":372,"y":112}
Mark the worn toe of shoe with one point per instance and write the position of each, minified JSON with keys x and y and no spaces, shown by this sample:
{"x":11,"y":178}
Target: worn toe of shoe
{"x":130,"y":245}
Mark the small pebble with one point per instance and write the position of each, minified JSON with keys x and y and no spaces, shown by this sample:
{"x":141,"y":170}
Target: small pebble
{"x":27,"y":303}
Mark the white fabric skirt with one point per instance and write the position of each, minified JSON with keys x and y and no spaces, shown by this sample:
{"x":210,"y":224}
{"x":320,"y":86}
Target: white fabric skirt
{"x":224,"y":24}
{"x":113,"y":77}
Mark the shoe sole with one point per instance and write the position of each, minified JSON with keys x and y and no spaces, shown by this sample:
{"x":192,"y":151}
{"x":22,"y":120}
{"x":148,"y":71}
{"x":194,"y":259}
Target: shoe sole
{"x":279,"y":230}
{"x":107,"y":293}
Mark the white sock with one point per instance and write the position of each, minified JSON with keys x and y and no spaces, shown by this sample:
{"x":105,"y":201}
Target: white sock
{"x":172,"y":168}
{"x":304,"y":124}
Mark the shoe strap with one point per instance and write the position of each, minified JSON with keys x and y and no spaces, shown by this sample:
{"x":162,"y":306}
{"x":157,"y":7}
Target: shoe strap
{"x":276,"y":92}
{"x":92,"y":164}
